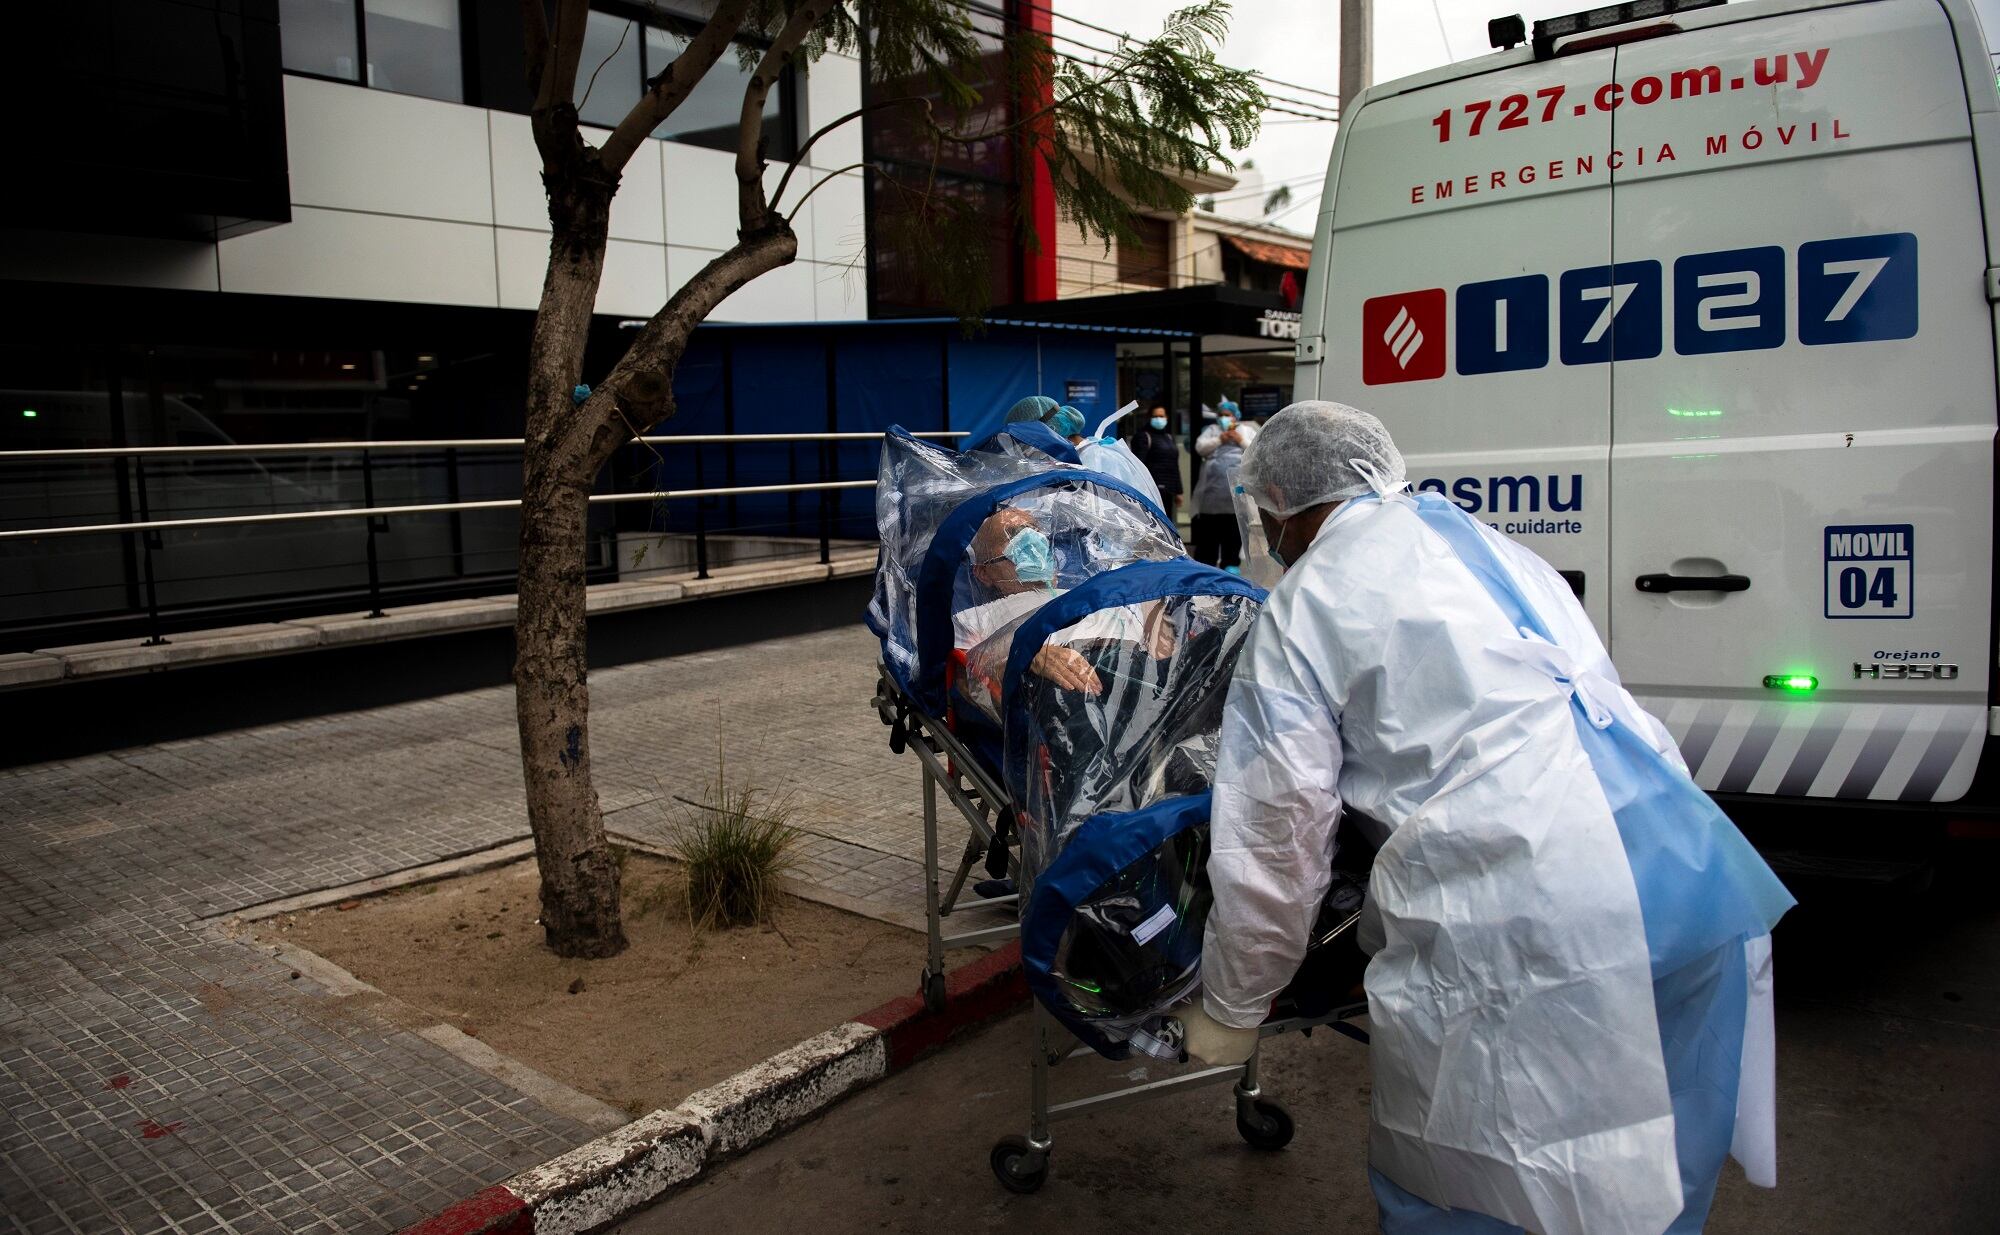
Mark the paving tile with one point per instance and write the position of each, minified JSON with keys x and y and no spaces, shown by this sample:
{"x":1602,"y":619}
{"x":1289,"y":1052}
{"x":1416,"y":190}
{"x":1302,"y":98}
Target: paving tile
{"x":157,"y":1076}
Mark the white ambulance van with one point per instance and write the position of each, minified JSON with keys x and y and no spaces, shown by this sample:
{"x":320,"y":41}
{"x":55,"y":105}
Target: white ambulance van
{"x":1697,"y":301}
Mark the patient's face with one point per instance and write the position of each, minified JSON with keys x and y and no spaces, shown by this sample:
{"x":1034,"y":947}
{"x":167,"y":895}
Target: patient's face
{"x":991,"y":566}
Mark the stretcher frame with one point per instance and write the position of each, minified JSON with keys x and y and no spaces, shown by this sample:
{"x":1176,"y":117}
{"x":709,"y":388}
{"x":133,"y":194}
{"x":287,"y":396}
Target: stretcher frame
{"x":1021,"y":1163}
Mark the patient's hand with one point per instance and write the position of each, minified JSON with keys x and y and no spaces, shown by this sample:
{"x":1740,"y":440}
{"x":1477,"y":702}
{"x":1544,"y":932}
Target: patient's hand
{"x":1067,"y":668}
{"x":1159,"y":630}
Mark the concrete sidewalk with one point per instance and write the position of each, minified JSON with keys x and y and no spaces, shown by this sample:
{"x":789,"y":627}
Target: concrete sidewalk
{"x":157,"y":1075}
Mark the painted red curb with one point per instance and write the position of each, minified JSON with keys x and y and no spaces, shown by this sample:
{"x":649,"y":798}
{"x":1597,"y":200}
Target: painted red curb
{"x":974,"y":993}
{"x":494,"y":1211}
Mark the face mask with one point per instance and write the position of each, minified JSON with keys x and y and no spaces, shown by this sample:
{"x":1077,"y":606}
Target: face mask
{"x":1227,"y":423}
{"x":1033,"y":557}
{"x":1158,"y":422}
{"x":1276,"y":556}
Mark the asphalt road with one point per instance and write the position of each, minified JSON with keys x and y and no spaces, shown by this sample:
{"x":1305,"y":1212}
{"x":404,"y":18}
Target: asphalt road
{"x":1889,"y":1113}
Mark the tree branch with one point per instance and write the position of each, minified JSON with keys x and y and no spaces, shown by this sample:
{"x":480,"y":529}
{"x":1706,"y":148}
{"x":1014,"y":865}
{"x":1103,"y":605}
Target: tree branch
{"x":803,"y":197}
{"x":641,"y":381}
{"x":778,"y":194}
{"x":752,"y":210}
{"x":535,"y":29}
{"x":670,"y":87}
{"x":558,"y":84}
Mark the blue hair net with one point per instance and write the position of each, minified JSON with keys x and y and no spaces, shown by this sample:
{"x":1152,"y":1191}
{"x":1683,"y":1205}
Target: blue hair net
{"x":1066,"y":421}
{"x":1034,"y":407}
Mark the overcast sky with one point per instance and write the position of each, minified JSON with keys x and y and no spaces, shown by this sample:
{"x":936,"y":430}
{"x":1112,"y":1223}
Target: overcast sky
{"x":1299,"y":42}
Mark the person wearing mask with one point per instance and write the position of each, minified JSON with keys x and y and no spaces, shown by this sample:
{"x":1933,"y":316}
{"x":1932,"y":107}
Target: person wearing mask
{"x":1014,"y":570}
{"x":1217,"y":538}
{"x":1570,"y":989}
{"x":1155,"y":447}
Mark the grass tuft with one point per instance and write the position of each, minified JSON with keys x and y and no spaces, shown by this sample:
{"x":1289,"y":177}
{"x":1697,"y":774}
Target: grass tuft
{"x":735,"y":845}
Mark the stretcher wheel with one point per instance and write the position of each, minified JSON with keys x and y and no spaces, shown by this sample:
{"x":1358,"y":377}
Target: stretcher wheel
{"x":1265,"y":1126}
{"x":1011,"y":1158}
{"x":932,"y":985}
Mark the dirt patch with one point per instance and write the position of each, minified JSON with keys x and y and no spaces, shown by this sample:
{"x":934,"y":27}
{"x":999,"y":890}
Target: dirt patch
{"x":675,"y":1012}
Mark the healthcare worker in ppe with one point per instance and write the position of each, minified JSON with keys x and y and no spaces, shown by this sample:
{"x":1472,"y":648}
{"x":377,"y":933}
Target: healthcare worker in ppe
{"x":1106,"y":455}
{"x":1212,"y":526}
{"x":1570,"y":987}
{"x":1032,"y":407}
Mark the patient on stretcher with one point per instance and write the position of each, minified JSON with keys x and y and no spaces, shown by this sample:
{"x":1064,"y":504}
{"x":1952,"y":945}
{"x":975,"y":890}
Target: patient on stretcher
{"x":1014,"y":573}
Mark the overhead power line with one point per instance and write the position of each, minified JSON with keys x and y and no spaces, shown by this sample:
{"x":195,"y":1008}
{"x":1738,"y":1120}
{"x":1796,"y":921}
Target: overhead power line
{"x":1305,"y":108}
{"x":1289,"y":85}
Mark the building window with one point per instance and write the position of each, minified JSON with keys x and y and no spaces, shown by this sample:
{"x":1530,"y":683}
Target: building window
{"x":321,"y":38}
{"x":408,"y":46}
{"x":623,"y":54}
{"x":609,"y":75}
{"x":1147,"y":259}
{"x":905,"y":165}
{"x":413,"y":48}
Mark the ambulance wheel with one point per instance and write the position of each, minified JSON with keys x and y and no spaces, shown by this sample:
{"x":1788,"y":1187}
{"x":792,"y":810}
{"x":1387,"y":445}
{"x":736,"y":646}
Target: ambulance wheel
{"x":933,"y":987}
{"x":1011,"y":1158}
{"x":1265,"y":1126}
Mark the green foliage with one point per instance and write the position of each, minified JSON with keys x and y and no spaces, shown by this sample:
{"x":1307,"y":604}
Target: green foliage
{"x":735,"y":846}
{"x":1116,"y":136}
{"x":1160,"y":108}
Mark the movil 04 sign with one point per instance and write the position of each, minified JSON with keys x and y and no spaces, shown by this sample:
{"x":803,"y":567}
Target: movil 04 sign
{"x":1853,"y":289}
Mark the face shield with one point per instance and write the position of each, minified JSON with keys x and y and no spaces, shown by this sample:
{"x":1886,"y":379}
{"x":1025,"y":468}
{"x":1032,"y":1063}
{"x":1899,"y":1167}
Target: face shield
{"x":1258,"y":565}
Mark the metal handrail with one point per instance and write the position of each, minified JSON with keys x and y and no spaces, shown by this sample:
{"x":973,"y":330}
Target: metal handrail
{"x":421,"y":508}
{"x":442,"y":443}
{"x":148,"y":529}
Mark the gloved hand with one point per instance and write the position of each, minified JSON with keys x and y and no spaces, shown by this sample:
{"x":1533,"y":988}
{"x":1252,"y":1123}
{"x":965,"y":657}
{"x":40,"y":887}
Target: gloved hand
{"x":1209,"y":1040}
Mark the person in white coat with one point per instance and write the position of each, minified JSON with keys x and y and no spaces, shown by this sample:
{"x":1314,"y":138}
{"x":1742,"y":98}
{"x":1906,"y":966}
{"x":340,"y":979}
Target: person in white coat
{"x":1570,"y":985}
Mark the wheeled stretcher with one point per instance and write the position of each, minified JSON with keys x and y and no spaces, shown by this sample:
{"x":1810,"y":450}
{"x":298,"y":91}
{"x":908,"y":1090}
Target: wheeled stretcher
{"x":1059,"y":666}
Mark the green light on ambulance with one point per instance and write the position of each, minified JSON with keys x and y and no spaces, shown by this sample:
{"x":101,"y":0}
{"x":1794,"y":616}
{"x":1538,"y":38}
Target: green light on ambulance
{"x":1792,"y":683}
{"x":1694,"y":413}
{"x":29,"y":413}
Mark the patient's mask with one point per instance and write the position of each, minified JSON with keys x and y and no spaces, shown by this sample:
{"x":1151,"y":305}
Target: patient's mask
{"x":1033,"y":557}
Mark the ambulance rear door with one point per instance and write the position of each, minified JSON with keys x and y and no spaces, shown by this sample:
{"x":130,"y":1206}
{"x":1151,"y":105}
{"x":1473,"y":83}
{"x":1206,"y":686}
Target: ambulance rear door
{"x":1803,"y":399}
{"x":1454,"y":207}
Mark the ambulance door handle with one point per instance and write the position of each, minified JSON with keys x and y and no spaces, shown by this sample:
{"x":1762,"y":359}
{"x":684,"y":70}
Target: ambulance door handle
{"x":1693,"y":583}
{"x":1575,"y":580}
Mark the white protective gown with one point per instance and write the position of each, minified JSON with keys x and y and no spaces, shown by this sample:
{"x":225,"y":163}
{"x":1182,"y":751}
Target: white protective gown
{"x":1518,"y":1062}
{"x":1116,"y":460}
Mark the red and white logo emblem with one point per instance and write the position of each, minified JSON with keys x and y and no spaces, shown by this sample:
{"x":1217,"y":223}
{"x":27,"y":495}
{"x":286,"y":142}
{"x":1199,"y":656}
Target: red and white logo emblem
{"x":1402,"y":337}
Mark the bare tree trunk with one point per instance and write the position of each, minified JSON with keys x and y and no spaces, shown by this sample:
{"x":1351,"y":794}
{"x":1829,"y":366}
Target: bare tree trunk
{"x":580,"y":910}
{"x":568,"y":440}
